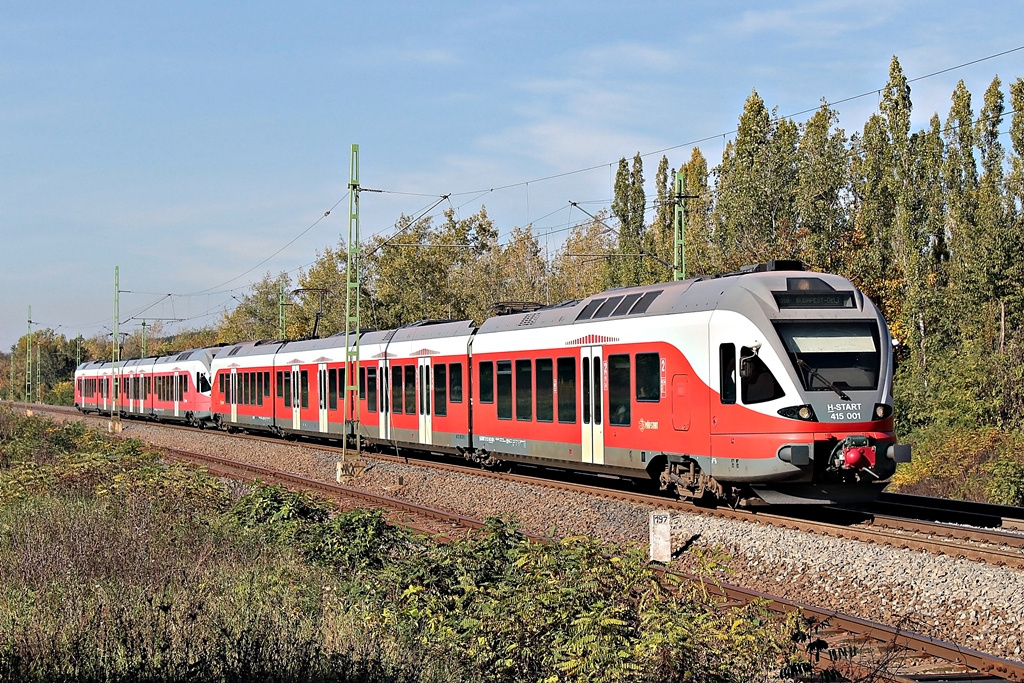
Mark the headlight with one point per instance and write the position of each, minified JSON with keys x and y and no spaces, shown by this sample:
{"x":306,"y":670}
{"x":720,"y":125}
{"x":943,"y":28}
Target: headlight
{"x":804,"y":412}
{"x":882,"y":411}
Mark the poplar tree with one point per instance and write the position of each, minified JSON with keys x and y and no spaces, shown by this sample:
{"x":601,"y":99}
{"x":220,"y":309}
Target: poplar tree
{"x":756,"y":193}
{"x":702,"y":256}
{"x":821,"y":180}
{"x":663,"y":228}
{"x":630,"y":267}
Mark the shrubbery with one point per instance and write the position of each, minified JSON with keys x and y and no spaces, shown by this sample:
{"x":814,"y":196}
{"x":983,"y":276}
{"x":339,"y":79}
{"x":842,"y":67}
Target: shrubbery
{"x":116,"y":567}
{"x":981,"y":463}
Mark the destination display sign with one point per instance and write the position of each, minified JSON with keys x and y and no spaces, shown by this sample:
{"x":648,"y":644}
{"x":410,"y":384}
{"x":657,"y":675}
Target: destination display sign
{"x":813,"y":299}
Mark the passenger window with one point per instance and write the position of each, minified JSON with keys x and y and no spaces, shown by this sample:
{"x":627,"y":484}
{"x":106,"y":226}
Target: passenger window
{"x":288,"y":389}
{"x":504,"y":389}
{"x":545,"y":390}
{"x":396,"y":389}
{"x":618,"y":390}
{"x":487,"y":382}
{"x":280,"y":385}
{"x":455,"y":383}
{"x":566,"y":390}
{"x":371,"y":389}
{"x":332,"y":388}
{"x":524,"y":390}
{"x":410,"y":389}
{"x":305,"y":389}
{"x":648,"y":377}
{"x":440,"y":390}
{"x":727,"y":373}
{"x":757,"y":383}
{"x":362,"y":384}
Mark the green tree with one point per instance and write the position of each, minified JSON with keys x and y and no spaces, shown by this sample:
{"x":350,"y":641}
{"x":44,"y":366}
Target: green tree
{"x":576,"y":270}
{"x":820,"y":198}
{"x":755,"y":206}
{"x":257,"y":313}
{"x":630,"y":267}
{"x":702,"y":253}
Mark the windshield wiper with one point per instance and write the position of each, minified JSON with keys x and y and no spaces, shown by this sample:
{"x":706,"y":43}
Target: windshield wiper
{"x":817,"y":375}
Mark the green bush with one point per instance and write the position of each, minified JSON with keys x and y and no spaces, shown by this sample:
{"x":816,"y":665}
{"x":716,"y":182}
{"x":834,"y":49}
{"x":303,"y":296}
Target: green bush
{"x":116,"y":567}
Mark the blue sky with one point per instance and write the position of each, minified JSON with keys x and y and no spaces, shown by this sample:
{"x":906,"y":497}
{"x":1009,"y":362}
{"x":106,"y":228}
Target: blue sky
{"x":185,"y":142}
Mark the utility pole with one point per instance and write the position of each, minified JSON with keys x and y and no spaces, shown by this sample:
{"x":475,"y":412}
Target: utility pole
{"x":679,"y":225}
{"x":115,"y":412}
{"x":281,"y":333}
{"x":39,"y":382}
{"x":144,"y":337}
{"x":78,"y":351}
{"x":352,"y":318}
{"x":28,"y":359}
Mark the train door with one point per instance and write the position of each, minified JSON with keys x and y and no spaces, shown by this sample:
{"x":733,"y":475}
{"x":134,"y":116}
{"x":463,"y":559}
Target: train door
{"x":296,"y":397}
{"x":592,"y":383}
{"x":176,"y":393}
{"x":233,"y":391}
{"x":384,"y":398}
{"x":424,"y":410}
{"x":323,"y":393}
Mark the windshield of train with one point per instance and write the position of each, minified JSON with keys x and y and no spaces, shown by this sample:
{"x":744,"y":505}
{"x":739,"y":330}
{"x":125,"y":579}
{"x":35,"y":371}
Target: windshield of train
{"x":831,"y":355}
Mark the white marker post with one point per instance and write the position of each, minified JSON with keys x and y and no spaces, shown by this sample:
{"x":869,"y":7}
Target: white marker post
{"x":661,"y":536}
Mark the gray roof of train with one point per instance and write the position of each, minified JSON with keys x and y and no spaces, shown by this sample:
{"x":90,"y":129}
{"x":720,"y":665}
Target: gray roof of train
{"x":746,"y":293}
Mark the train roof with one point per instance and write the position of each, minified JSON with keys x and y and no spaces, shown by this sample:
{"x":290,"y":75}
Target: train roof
{"x":775,"y":291}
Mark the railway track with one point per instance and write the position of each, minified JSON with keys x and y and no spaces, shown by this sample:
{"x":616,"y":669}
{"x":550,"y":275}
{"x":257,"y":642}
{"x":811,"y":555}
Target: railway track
{"x":925,"y":658}
{"x":996,"y":546}
{"x":921,"y":657}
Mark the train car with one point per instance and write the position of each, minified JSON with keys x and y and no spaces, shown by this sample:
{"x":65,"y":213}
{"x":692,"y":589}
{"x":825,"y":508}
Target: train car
{"x":243,"y":396}
{"x":179,"y":387}
{"x":91,"y":387}
{"x":422,"y":400}
{"x":136,"y":378}
{"x":772,"y":383}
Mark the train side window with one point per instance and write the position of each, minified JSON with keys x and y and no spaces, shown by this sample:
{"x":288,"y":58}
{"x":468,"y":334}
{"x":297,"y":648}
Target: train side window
{"x":727,"y":370}
{"x":396,"y":388}
{"x":487,"y":381}
{"x":266,"y":384}
{"x":332,"y":389}
{"x":598,"y":392}
{"x":757,"y":383}
{"x":371,"y":389}
{"x":280,"y":384}
{"x":220,"y":383}
{"x":618,"y":390}
{"x":504,"y":390}
{"x":585,"y":379}
{"x":305,"y":388}
{"x":524,"y":389}
{"x":204,"y":383}
{"x":288,"y":389}
{"x":410,"y":389}
{"x":362,"y":384}
{"x":648,"y":377}
{"x":455,"y":383}
{"x":441,"y":390}
{"x":258,"y":376}
{"x":545,"y":390}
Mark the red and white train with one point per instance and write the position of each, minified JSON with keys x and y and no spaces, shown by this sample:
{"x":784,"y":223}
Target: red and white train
{"x":772,"y":383}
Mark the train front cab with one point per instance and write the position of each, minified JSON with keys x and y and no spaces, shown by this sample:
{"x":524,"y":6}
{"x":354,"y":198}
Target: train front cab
{"x":803,"y":407}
